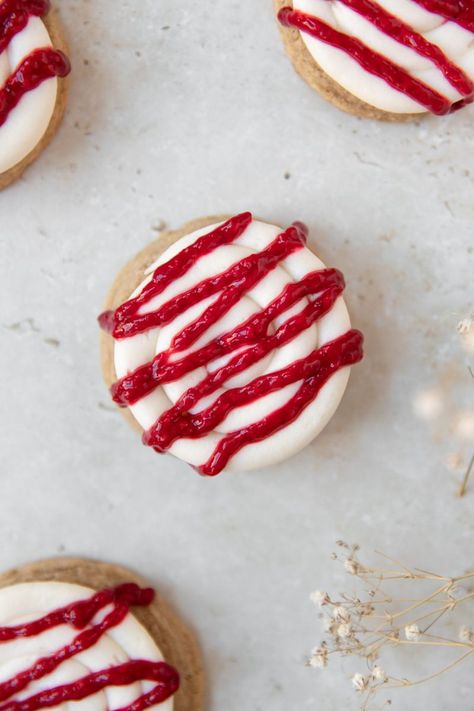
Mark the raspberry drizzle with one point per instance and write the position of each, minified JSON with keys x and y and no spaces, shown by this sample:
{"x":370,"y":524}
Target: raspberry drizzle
{"x":380,"y":66}
{"x":80,"y":615}
{"x":41,"y":64}
{"x":246,"y":344}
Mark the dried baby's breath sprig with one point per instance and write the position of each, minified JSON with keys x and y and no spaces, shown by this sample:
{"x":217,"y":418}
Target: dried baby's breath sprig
{"x":319,"y":657}
{"x":319,"y":598}
{"x":396,"y":606}
{"x":466,"y":332}
{"x":412,"y":633}
{"x":466,"y":634}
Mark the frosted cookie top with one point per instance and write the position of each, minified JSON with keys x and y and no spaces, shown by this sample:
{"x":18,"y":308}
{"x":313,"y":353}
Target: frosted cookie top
{"x":233,"y":352}
{"x":400,"y":56}
{"x":29,"y":67}
{"x":64,"y":645}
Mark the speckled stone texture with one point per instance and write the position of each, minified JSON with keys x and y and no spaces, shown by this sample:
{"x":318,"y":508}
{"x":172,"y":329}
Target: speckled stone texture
{"x":177,"y":110}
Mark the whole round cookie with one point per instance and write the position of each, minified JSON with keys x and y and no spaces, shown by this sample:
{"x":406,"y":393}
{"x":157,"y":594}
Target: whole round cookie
{"x":389,"y":60}
{"x":75,"y":630}
{"x":228,"y":343}
{"x":33,"y":89}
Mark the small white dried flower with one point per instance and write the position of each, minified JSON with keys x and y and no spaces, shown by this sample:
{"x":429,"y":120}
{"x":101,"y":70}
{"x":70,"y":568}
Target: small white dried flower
{"x":466,"y":331}
{"x":344,"y":630}
{"x":466,"y":325}
{"x":319,"y":658}
{"x":464,"y":426}
{"x":378,"y":673}
{"x":319,"y":598}
{"x":468,"y":342}
{"x":455,"y":461}
{"x":351,"y":566}
{"x":412,"y":633}
{"x":360,"y":682}
{"x":341,"y":613}
{"x":428,"y":404}
{"x":465,"y":634}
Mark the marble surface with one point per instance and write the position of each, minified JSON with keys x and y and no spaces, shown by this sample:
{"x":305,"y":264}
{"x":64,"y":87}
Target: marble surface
{"x":177,"y":110}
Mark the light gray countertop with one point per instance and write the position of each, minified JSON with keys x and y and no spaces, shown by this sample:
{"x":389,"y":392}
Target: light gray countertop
{"x":178,"y":110}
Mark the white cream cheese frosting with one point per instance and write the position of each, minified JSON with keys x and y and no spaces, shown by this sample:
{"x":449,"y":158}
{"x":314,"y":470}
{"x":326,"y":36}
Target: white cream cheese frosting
{"x":456,"y":42}
{"x":130,"y":353}
{"x":28,"y":122}
{"x":127,"y":641}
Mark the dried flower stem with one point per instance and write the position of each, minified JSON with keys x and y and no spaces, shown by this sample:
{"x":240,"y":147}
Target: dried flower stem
{"x":467,"y":476}
{"x":448,"y":667}
{"x":368,"y":626}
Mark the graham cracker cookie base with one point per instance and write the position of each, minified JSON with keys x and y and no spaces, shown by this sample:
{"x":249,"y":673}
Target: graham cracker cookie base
{"x":57,"y":37}
{"x":125,"y":283}
{"x":175,"y":640}
{"x":321,"y":82}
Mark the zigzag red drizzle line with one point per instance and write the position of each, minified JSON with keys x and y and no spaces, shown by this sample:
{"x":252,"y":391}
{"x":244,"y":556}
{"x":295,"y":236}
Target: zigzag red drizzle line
{"x":40,"y":65}
{"x":125,"y":322}
{"x":173,"y":424}
{"x":314,"y":370}
{"x":233,"y":284}
{"x":379,"y":65}
{"x":459,"y":11}
{"x":14,"y":16}
{"x":79,"y":615}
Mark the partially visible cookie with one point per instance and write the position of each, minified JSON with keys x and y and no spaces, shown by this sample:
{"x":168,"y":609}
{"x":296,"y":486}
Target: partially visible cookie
{"x":366,"y":61}
{"x":33,"y":84}
{"x":127,"y":648}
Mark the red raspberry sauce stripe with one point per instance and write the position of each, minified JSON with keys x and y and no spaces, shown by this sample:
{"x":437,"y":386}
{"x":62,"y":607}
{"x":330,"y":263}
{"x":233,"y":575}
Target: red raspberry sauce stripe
{"x":373,"y":62}
{"x":123,"y":324}
{"x":178,"y":422}
{"x":47,"y":665}
{"x":239,"y":279}
{"x":404,"y":34}
{"x":40,"y":65}
{"x":248,"y":272}
{"x":14,"y":16}
{"x":459,"y":11}
{"x":253,"y":332}
{"x":80,"y":614}
{"x":344,"y":351}
{"x":121,"y":675}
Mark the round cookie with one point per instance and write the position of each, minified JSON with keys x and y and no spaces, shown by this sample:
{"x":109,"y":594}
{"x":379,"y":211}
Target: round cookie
{"x":172,"y":637}
{"x":53,"y":26}
{"x":297,"y":47}
{"x":262,"y":396}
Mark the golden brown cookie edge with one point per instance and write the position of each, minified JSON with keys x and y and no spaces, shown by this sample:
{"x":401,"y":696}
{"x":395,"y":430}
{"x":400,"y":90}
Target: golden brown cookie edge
{"x":172,"y":635}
